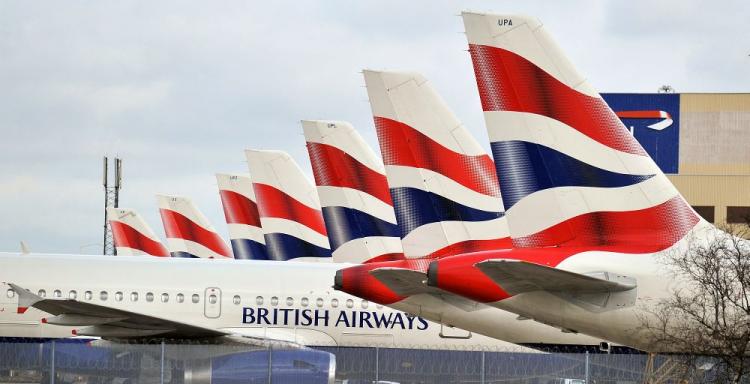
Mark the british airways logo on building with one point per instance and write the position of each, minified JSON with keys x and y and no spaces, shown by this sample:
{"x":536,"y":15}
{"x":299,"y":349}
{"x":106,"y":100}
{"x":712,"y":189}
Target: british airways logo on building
{"x":324,"y":318}
{"x":654,"y":120}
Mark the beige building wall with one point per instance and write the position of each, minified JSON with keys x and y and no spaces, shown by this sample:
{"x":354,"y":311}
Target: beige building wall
{"x":714,"y":190}
{"x":714,"y":134}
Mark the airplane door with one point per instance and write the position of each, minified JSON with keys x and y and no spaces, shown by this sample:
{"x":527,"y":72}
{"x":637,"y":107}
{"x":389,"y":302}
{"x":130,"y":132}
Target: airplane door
{"x":212,"y":302}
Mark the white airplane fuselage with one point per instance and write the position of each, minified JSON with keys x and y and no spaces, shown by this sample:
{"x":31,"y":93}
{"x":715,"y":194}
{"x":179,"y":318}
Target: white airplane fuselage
{"x":288,"y":301}
{"x":291,"y":301}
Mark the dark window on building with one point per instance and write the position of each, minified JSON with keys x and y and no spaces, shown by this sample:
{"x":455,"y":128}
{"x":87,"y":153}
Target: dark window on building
{"x":738,"y":215}
{"x":706,"y":212}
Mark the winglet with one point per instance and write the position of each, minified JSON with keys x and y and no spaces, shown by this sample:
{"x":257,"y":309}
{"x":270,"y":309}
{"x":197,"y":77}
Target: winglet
{"x":26,"y":299}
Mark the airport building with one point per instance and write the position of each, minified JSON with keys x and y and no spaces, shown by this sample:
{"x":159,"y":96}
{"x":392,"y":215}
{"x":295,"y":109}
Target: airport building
{"x":700,"y":141}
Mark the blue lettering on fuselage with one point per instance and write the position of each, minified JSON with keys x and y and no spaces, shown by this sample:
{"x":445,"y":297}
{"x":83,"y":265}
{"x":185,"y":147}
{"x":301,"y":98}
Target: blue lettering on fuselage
{"x":322,"y":317}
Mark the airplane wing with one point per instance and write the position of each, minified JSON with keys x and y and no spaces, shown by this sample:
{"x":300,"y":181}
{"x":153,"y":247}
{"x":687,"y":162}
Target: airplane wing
{"x":112,"y":323}
{"x":516,"y":276}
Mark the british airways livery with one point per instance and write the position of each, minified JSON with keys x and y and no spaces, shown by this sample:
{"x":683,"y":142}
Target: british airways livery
{"x":241,"y":213}
{"x":189,"y":233}
{"x":354,"y":195}
{"x":132,"y":235}
{"x":589,"y":212}
{"x":252,"y":302}
{"x":289,"y":208}
{"x":443,"y":184}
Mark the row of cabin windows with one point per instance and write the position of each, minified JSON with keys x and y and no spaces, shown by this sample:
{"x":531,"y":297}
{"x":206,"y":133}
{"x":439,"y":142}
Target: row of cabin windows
{"x":195,"y":298}
{"x":119,"y":296}
{"x":274,"y":301}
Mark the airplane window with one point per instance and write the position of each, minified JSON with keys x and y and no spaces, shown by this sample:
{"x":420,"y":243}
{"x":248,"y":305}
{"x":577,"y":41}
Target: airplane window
{"x":378,"y":306}
{"x":196,"y":298}
{"x":259,"y":300}
{"x":10,"y":293}
{"x":274,"y":301}
{"x":365,"y":304}
{"x":236,"y":300}
{"x":149,"y":296}
{"x":289,"y":301}
{"x":212,"y":299}
{"x":164,"y":297}
{"x":72,"y":295}
{"x":180,"y":297}
{"x":118,"y":296}
{"x":349,"y":303}
{"x":103,"y":295}
{"x":57,"y":293}
{"x":88,"y":295}
{"x":319,"y":302}
{"x":334,"y":303}
{"x":42,"y":293}
{"x":304,"y":301}
{"x":133,"y":296}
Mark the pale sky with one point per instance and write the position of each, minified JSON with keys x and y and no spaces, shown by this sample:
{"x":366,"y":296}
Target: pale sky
{"x":179,"y":88}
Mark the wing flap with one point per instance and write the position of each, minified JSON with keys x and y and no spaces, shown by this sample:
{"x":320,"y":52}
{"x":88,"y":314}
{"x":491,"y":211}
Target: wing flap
{"x":403,"y":281}
{"x":516,"y":276}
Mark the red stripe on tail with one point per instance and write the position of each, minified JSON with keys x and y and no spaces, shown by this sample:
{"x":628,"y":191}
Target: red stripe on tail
{"x":178,"y":226}
{"x":509,"y":82}
{"x":129,"y":237}
{"x":404,"y":145}
{"x":275,"y":203}
{"x":238,"y":209}
{"x":336,"y":168}
{"x":643,"y":231}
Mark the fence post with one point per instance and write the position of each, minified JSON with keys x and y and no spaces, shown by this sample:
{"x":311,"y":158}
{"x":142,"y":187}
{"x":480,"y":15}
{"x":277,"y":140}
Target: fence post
{"x":52,"y":363}
{"x":162,"y":362}
{"x":270,"y":363}
{"x":587,"y":368}
{"x":481,"y":374}
{"x":377,"y":365}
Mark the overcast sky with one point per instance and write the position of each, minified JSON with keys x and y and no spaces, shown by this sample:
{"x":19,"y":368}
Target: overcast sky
{"x":179,"y":89}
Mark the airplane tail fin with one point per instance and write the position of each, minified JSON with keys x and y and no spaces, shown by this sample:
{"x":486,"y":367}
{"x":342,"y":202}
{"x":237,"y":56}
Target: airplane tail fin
{"x":353,"y":192}
{"x":443,"y":183}
{"x":133,"y":237}
{"x":189,"y":233}
{"x":241,"y":213}
{"x":570,"y":172}
{"x":288,"y":205}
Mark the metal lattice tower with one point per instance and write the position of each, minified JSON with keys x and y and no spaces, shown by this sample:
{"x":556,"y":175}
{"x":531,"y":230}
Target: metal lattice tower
{"x":111,"y":199}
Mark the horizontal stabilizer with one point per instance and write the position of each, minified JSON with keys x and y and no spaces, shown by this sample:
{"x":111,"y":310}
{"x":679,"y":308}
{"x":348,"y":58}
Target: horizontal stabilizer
{"x":516,"y":276}
{"x":403,"y":281}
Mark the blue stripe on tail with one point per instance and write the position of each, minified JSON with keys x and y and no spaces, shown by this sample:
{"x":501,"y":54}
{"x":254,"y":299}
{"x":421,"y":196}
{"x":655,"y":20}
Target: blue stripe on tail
{"x":524,"y":168}
{"x":415,"y":208}
{"x":246,"y":249}
{"x":281,"y":246}
{"x":346,"y":224}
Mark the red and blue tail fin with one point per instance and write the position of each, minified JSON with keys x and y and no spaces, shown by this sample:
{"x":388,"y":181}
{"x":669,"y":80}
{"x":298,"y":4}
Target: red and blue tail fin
{"x":289,"y":209}
{"x":189,"y":233}
{"x":241,"y":213}
{"x":570,"y":172}
{"x":443,"y":183}
{"x":353,"y":192}
{"x":133,"y":237}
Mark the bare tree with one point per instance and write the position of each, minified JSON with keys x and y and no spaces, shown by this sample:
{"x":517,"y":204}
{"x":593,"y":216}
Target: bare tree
{"x":708,"y":314}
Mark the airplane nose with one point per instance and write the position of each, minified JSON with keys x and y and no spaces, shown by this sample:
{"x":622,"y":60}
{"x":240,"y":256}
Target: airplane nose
{"x":432,"y":274}
{"x":338,"y":280}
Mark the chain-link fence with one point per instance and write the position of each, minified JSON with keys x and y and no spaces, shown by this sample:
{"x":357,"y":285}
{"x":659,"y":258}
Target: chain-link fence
{"x":58,"y":362}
